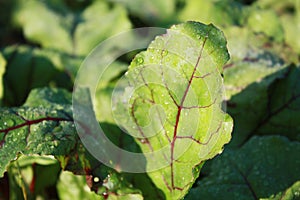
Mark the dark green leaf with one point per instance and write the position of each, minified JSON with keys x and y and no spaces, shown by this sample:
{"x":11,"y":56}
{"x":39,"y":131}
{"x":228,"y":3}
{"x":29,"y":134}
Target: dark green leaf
{"x":263,"y":167}
{"x":272,"y":107}
{"x":29,"y":68}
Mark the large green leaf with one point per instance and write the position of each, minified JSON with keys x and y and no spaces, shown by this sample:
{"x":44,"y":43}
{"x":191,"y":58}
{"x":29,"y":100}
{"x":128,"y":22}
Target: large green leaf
{"x":44,"y":126}
{"x":263,"y":167}
{"x":29,"y":68}
{"x":172,"y":104}
{"x":47,"y":130}
{"x":273,"y":107}
{"x":53,"y":25}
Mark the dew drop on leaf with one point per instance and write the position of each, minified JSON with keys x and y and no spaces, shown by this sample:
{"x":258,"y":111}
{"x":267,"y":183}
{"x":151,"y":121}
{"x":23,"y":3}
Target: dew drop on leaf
{"x":164,"y":52}
{"x":53,"y":112}
{"x":96,"y":179}
{"x":140,"y":60}
{"x":142,"y":140}
{"x":9,"y":123}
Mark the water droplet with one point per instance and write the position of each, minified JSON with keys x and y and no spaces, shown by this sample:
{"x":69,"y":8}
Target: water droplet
{"x":10,"y":123}
{"x":164,"y":52}
{"x":55,"y":143}
{"x":140,"y":60}
{"x":105,"y":195}
{"x":96,"y":179}
{"x":142,"y":141}
{"x":53,"y":112}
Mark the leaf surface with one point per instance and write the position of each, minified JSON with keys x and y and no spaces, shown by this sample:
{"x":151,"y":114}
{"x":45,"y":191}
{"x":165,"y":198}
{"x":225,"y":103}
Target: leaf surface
{"x":154,"y":11}
{"x":77,"y":32}
{"x":41,"y":130}
{"x":251,"y":171}
{"x":273,"y":109}
{"x":220,"y":13}
{"x":29,"y":68}
{"x":173,"y":101}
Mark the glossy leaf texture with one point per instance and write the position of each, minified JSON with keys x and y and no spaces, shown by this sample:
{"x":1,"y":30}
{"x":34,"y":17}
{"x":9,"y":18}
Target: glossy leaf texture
{"x":172,"y":104}
{"x":44,"y":126}
{"x":251,"y":171}
{"x":36,"y":129}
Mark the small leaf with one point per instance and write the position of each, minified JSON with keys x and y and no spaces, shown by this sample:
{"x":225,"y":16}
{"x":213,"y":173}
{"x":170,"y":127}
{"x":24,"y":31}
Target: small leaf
{"x":263,"y":167}
{"x":173,"y":103}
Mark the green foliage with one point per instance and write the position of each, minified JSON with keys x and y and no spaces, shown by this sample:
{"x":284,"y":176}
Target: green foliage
{"x":195,"y":54}
{"x":77,"y":32}
{"x":43,"y":43}
{"x":245,"y":171}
